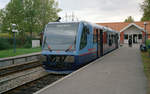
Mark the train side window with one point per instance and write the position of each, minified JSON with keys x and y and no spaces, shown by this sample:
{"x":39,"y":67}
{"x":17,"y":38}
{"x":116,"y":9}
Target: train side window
{"x":107,"y":37}
{"x":83,"y":42}
{"x":113,"y":38}
{"x":94,"y":36}
{"x":110,"y":40}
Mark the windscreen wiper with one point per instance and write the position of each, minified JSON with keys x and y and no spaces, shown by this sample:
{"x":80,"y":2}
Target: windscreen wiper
{"x":49,"y":48}
{"x":68,"y":49}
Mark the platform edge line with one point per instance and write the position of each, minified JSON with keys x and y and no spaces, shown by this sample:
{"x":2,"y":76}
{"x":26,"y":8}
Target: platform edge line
{"x":38,"y":92}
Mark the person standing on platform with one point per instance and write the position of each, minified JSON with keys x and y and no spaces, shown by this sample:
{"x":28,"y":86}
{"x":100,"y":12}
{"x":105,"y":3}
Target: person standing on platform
{"x":130,"y":42}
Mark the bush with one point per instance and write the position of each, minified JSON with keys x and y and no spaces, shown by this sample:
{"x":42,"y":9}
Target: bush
{"x":28,"y":43}
{"x":4,"y":44}
{"x":5,"y":35}
{"x":7,"y":43}
{"x":148,"y":45}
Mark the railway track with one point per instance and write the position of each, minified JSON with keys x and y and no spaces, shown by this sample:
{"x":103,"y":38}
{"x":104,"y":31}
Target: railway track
{"x":27,"y":80}
{"x":15,"y":79}
{"x":35,"y":85}
{"x":10,"y":70}
{"x":24,"y":74}
{"x":16,"y":71}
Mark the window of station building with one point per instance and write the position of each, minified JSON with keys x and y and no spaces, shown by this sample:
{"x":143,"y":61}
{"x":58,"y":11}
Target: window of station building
{"x":110,"y":40}
{"x":94,"y":36}
{"x":125,"y":36}
{"x":83,"y":41}
{"x":140,"y":36}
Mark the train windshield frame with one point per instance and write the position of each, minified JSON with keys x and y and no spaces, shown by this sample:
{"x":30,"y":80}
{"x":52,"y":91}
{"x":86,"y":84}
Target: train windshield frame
{"x":60,"y":36}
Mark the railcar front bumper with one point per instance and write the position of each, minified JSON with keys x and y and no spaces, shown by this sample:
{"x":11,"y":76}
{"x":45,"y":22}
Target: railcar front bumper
{"x":60,"y":64}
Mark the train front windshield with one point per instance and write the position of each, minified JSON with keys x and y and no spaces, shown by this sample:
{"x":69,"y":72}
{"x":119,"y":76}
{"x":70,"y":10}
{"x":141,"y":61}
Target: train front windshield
{"x":60,"y":36}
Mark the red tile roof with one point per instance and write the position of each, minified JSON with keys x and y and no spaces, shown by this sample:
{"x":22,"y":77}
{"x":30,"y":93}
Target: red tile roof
{"x":118,"y":26}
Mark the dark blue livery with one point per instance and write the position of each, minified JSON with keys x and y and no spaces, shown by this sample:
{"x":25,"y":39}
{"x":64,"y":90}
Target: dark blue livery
{"x":68,"y":46}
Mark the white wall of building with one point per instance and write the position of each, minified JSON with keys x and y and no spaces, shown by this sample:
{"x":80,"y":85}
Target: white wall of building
{"x":132,"y":30}
{"x":35,"y":43}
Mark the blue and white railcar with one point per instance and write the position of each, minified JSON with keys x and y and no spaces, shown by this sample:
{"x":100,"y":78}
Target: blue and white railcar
{"x":70,"y":45}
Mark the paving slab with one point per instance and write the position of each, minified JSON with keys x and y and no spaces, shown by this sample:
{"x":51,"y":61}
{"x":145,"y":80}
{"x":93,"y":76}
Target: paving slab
{"x":120,"y":72}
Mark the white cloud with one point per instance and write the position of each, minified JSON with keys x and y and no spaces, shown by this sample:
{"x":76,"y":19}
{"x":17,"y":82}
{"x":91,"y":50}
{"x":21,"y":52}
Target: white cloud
{"x":98,"y":10}
{"x":102,"y":10}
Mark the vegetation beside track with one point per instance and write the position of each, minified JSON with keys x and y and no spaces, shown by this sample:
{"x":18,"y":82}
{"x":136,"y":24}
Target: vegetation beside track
{"x":148,"y":45}
{"x":146,"y":64}
{"x":19,"y":51}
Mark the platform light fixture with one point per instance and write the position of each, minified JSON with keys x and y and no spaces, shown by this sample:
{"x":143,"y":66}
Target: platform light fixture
{"x":14,"y":30}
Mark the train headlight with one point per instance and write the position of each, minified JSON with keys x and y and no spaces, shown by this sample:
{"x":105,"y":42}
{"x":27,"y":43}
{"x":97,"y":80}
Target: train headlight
{"x":70,"y":59}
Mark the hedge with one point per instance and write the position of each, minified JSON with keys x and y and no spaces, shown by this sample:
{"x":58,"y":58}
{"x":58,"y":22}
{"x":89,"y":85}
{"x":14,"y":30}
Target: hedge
{"x":148,"y":45}
{"x":7,"y":43}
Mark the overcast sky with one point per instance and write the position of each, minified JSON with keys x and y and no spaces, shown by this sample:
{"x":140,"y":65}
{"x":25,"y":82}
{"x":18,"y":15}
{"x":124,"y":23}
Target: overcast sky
{"x":98,"y":10}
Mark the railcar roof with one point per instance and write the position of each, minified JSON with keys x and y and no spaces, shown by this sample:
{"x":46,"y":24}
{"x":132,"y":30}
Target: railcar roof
{"x":92,"y":24}
{"x":61,"y":22}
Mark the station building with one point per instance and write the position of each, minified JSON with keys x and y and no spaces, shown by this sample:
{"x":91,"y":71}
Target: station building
{"x":135,"y":30}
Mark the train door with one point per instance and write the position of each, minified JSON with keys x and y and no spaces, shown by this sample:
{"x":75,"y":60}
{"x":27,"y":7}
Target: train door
{"x":116,"y":40}
{"x":98,"y":43}
{"x":101,"y":42}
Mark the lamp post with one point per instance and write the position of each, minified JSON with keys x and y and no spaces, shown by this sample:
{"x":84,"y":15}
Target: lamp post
{"x":14,"y":31}
{"x":145,"y":23}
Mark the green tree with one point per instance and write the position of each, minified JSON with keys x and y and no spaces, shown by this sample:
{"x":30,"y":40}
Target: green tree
{"x":129,"y":19}
{"x":29,"y":15}
{"x":145,"y":7}
{"x":39,"y":12}
{"x":13,"y":14}
{"x":1,"y":16}
{"x":47,"y":11}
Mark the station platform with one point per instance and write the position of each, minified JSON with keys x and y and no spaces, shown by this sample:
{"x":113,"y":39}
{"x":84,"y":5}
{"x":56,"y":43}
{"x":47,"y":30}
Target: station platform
{"x":119,"y":72}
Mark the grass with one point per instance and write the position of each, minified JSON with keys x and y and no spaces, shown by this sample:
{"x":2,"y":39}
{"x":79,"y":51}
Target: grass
{"x":19,"y":51}
{"x":7,"y":35}
{"x":147,"y":44}
{"x":146,"y":64}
